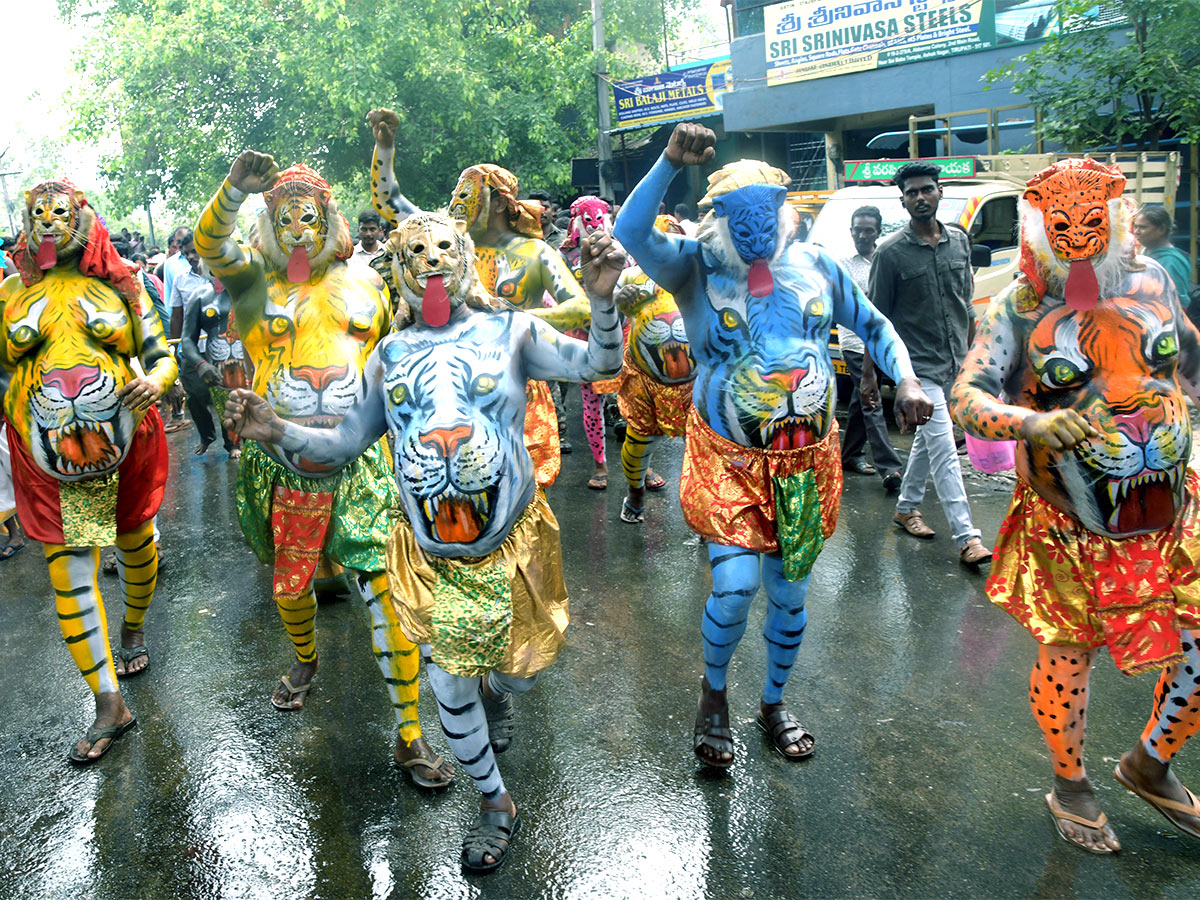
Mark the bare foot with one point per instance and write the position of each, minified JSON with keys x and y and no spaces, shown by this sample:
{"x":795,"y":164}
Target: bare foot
{"x":1149,"y":776}
{"x":419,"y":749}
{"x":129,"y":640}
{"x":300,"y":675}
{"x":110,"y":710}
{"x":1078,"y":798}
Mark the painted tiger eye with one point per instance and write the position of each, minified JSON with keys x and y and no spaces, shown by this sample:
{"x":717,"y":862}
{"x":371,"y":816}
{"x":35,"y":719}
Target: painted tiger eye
{"x":399,"y":394}
{"x":360,"y":323}
{"x":484,"y":384}
{"x":1165,"y":346}
{"x":278,"y":325}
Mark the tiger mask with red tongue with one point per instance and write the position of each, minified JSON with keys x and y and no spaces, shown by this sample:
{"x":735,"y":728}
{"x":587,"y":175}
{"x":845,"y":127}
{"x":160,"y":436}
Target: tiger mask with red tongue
{"x":433,"y":266}
{"x":301,"y":231}
{"x":1075,"y":229}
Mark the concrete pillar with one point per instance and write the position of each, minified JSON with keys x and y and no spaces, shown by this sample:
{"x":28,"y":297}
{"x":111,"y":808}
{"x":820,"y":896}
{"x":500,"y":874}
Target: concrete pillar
{"x":834,"y":158}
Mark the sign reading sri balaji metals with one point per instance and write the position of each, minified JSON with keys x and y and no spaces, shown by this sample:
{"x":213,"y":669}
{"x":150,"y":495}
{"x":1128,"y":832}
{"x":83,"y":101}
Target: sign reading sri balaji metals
{"x":818,"y":38}
{"x":670,"y":96}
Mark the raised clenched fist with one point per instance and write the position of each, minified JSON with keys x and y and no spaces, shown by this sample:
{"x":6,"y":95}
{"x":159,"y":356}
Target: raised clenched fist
{"x":690,"y":145}
{"x":254,"y":172}
{"x":384,"y":124}
{"x":1061,"y":429}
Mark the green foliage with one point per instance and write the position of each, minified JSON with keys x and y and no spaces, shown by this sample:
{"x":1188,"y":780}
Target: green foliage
{"x":189,"y":85}
{"x":1095,"y":92}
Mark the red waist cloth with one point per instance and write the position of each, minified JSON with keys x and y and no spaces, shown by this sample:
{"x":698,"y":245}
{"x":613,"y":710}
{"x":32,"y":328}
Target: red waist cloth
{"x":1069,"y":586}
{"x":143,"y":476}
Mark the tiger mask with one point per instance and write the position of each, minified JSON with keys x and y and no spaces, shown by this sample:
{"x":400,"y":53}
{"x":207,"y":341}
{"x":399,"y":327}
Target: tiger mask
{"x":1075,"y":231}
{"x":433,"y":269}
{"x":57,"y":221}
{"x":301,"y":232}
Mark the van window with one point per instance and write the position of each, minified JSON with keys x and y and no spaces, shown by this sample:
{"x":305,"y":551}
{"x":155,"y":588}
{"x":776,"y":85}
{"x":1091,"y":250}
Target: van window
{"x":995,"y":224}
{"x":832,"y":228}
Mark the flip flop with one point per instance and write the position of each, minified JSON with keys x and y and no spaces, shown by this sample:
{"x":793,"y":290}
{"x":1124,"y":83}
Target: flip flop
{"x":1165,"y":805}
{"x":128,"y":655}
{"x":293,"y":694}
{"x":93,"y":735}
{"x":598,"y":483}
{"x":10,"y":550}
{"x":655,"y":482}
{"x":632,"y":514}
{"x":409,"y":769}
{"x":1061,"y":815}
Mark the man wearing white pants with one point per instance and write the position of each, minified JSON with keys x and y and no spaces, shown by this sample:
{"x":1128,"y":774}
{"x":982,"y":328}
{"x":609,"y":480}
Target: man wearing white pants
{"x":921,"y":279}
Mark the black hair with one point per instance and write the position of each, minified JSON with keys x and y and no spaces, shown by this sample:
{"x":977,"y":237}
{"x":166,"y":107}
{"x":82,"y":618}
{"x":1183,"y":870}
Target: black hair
{"x":683,"y":211}
{"x":369,"y":217}
{"x":915,"y":170}
{"x":1158,"y":217}
{"x":186,"y":238}
{"x":868,"y":212}
{"x":544,"y":197}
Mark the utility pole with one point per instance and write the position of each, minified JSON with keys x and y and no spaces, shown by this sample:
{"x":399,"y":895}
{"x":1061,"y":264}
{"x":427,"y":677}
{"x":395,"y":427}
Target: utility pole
{"x":604,"y":139}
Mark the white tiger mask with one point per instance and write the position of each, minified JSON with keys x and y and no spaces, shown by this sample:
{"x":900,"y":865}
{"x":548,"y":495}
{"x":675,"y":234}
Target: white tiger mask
{"x":433,"y":265}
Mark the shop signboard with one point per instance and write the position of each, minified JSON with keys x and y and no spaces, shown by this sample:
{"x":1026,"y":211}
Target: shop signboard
{"x":808,"y":39}
{"x":885,"y":169}
{"x":669,"y":96}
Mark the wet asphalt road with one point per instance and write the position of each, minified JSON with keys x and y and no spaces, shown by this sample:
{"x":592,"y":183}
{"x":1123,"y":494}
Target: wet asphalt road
{"x":927,"y":781}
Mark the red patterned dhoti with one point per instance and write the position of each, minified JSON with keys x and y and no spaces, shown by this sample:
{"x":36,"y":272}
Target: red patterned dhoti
{"x":1070,"y":586}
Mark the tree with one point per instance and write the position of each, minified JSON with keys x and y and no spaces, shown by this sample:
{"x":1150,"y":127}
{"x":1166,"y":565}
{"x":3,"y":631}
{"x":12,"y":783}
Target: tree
{"x":1095,"y":90}
{"x":189,"y":85}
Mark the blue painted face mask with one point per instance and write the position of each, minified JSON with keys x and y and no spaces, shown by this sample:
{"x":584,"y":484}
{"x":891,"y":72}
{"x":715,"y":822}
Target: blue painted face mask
{"x":752,"y":214}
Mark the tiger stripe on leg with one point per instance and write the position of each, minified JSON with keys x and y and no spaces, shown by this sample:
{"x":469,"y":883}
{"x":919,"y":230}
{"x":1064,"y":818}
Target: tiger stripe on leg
{"x":1176,"y":716}
{"x":395,"y":654}
{"x":635,"y":456}
{"x":137,"y":567}
{"x":73,"y":575}
{"x":299,"y":522}
{"x":1058,"y":694}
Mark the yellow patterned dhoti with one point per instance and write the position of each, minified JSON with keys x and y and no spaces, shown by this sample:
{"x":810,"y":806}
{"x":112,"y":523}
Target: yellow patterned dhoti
{"x":541,"y":433}
{"x":532,"y":559}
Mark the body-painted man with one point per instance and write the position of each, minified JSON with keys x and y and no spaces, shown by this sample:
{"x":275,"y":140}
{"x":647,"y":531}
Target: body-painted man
{"x":589,"y":216}
{"x":655,"y":395}
{"x":475,"y":559}
{"x":89,"y":456}
{"x":762,"y":472}
{"x":308,"y":322}
{"x":1100,"y":545}
{"x":221,"y":365}
{"x":512,"y":260}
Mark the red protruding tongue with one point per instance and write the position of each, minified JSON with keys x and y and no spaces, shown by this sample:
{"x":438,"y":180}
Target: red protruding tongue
{"x":792,"y":436}
{"x":677,"y":363}
{"x":1082,"y":290}
{"x":1150,"y":507}
{"x":298,"y":268}
{"x":47,"y":255}
{"x":761,"y":282}
{"x":217,"y":285}
{"x":435,"y":307}
{"x":457,"y":522}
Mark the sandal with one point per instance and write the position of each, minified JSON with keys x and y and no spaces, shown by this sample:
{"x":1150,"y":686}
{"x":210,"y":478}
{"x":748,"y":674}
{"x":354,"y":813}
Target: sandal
{"x":1098,"y":824}
{"x":1169,"y":809}
{"x":785,"y":731}
{"x":598,"y":483}
{"x":109,"y":566}
{"x":128,"y":655}
{"x":294,"y":693}
{"x":632,"y":514}
{"x":93,"y":735}
{"x":655,"y":482}
{"x":712,"y":731}
{"x":491,"y":835}
{"x":409,"y":767}
{"x":176,"y":425}
{"x":500,"y":716}
{"x":10,"y":550}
